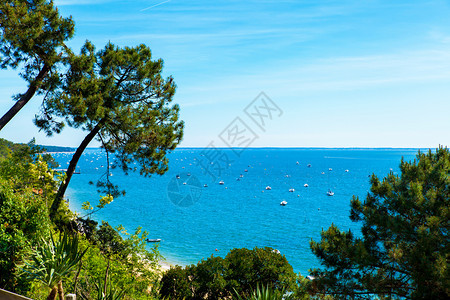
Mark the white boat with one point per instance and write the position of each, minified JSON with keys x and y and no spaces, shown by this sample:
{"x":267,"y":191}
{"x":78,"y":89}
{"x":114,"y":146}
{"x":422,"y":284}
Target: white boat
{"x":297,"y":163}
{"x":305,"y":185}
{"x":330,"y":193}
{"x":346,"y":171}
{"x":178,"y":176}
{"x":330,"y":169}
{"x":184,"y":183}
{"x":291,"y":190}
{"x":221,"y":182}
{"x":241,"y":176}
{"x":323,"y":173}
{"x":268,"y":188}
{"x":205,"y":185}
{"x":283,"y":203}
{"x":153,"y":240}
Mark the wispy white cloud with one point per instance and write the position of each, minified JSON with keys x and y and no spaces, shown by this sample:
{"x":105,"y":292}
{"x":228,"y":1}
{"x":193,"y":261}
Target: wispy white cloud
{"x":158,"y":4}
{"x":325,"y":76}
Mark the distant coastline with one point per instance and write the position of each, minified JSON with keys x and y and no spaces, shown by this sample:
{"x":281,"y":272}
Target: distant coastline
{"x":73,"y":149}
{"x":57,"y":149}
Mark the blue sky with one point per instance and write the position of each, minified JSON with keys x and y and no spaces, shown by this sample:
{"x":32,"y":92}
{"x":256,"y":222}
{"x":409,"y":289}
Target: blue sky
{"x":344,"y":73}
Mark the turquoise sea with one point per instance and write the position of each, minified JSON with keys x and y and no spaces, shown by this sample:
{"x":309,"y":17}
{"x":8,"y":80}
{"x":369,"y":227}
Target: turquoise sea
{"x":195,"y":222}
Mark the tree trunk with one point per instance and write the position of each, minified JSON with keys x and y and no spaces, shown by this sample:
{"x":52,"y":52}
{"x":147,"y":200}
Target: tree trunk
{"x":24,"y":98}
{"x":71,"y":169}
{"x":76,"y":277}
{"x":53,"y":293}
{"x":60,"y":290}
{"x":106,"y":277}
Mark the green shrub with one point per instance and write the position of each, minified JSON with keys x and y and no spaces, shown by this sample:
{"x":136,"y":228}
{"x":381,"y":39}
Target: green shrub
{"x":241,"y":271}
{"x":175,"y":284}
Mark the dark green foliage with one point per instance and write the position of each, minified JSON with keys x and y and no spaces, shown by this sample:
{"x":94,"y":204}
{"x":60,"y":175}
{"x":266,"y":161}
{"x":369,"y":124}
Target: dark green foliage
{"x":31,"y":32}
{"x":248,"y":268}
{"x":208,"y":280}
{"x":109,"y":241}
{"x":119,"y":96}
{"x":175,"y":284}
{"x":404,"y":248}
{"x":123,"y":94}
{"x":32,"y":35}
{"x":241,"y":271}
{"x":87,"y":227}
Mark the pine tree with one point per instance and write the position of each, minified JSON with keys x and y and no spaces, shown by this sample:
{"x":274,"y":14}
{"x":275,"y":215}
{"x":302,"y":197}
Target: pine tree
{"x":117,"y":95}
{"x":32,"y":36}
{"x":403,"y":251}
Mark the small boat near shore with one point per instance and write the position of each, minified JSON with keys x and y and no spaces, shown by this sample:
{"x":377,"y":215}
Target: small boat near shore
{"x":291,"y":190}
{"x":268,"y":188}
{"x":221,"y":182}
{"x":330,"y":193}
{"x":283,"y":203}
{"x":153,"y":240}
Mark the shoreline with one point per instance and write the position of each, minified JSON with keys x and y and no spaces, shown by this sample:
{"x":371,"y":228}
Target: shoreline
{"x":165,"y":264}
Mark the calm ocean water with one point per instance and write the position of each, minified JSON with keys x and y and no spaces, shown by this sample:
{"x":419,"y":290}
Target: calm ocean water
{"x":194,"y":222}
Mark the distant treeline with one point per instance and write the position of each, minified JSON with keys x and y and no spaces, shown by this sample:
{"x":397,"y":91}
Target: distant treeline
{"x":8,"y":147}
{"x":57,"y":148}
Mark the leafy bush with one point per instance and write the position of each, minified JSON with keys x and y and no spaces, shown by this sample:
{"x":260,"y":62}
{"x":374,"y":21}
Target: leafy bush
{"x":175,"y":283}
{"x":241,"y":271}
{"x":248,"y":268}
{"x":129,"y":268}
{"x":23,"y":222}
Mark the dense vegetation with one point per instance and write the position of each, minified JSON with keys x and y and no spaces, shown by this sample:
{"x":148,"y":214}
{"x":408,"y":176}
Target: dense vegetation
{"x":241,"y":271}
{"x":119,"y":97}
{"x":402,"y":251}
{"x":29,"y":241}
{"x":404,"y":248}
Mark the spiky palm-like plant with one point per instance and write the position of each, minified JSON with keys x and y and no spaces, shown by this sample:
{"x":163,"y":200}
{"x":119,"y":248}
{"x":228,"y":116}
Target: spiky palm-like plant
{"x":266,"y":293}
{"x":111,"y":292}
{"x":52,"y":260}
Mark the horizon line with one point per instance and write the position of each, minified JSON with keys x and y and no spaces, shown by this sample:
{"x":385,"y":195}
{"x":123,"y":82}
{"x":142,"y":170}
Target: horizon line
{"x":272,"y":147}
